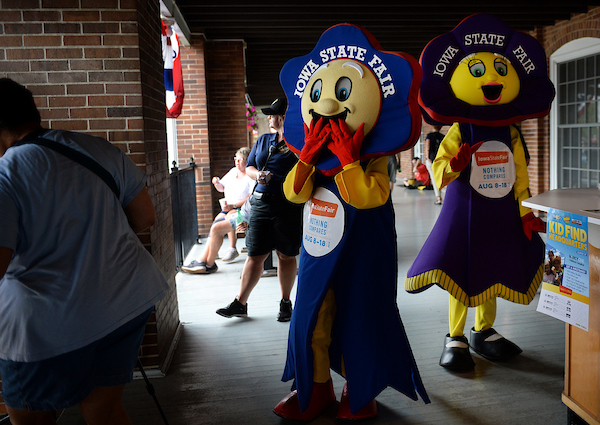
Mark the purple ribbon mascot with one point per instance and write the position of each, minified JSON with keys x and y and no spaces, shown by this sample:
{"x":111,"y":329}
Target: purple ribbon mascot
{"x":484,"y":77}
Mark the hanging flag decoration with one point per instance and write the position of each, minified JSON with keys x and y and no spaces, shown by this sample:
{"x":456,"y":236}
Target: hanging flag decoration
{"x":173,"y":72}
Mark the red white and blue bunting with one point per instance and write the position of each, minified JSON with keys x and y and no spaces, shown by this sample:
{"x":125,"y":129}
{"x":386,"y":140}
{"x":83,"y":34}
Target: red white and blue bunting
{"x":173,"y":72}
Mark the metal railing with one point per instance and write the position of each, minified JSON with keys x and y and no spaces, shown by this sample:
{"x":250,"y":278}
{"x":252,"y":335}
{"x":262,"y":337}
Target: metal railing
{"x":185,"y":215}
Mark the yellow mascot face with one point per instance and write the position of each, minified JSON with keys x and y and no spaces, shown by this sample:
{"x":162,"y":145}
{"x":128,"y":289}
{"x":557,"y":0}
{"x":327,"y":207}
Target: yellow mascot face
{"x":343,"y":89}
{"x":485,"y":78}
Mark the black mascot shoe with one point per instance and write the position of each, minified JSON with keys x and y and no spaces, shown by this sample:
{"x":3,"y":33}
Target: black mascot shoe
{"x":456,"y":356}
{"x":493,"y":346}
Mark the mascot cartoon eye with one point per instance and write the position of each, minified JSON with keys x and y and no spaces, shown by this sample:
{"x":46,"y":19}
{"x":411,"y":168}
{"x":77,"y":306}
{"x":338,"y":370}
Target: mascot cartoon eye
{"x":476,"y":67}
{"x":343,"y":87}
{"x":315,"y":92}
{"x":501,"y":67}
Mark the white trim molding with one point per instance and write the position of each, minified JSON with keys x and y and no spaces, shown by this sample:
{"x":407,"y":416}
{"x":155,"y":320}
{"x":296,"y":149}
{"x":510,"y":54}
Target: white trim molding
{"x":570,"y":51}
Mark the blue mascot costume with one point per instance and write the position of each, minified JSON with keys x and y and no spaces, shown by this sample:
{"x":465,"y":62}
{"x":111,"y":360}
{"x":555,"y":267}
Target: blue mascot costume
{"x":484,"y":77}
{"x":350,"y":106}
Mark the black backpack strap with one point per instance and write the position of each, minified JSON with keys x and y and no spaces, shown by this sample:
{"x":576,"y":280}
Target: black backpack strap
{"x":80,"y":158}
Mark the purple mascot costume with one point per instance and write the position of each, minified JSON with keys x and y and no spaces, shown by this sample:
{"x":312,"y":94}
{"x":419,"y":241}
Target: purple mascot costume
{"x":484,"y":77}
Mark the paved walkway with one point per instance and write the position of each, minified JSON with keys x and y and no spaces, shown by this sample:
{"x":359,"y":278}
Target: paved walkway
{"x":228,"y":371}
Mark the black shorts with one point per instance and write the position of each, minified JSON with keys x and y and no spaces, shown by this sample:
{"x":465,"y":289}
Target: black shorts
{"x":275,"y":223}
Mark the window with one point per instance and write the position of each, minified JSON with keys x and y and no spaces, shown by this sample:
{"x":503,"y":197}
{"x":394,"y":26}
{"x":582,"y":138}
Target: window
{"x":576,"y":118}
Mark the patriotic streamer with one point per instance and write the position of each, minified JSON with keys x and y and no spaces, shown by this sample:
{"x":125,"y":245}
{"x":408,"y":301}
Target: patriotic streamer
{"x":173,"y":72}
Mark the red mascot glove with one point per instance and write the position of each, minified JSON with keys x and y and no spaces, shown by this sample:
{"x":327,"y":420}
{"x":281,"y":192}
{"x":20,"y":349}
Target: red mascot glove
{"x":531,"y":224}
{"x":315,"y":138}
{"x":463,"y":156}
{"x":343,"y":144}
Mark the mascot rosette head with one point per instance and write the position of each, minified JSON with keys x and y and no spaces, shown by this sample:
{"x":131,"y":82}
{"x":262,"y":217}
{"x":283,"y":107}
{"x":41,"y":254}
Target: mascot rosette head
{"x":348,"y":77}
{"x":483,"y":72}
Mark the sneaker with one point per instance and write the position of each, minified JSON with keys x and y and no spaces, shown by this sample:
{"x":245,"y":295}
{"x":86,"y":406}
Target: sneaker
{"x":195,"y":267}
{"x":269,"y":272}
{"x":285,"y":311}
{"x":230,"y":255}
{"x":235,"y":309}
{"x":211,"y":269}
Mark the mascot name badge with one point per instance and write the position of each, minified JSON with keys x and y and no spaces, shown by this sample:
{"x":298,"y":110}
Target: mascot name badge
{"x":493,"y":171}
{"x":323,"y":223}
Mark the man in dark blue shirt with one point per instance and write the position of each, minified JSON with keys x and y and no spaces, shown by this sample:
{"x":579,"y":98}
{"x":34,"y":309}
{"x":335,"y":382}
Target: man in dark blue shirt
{"x":275,"y":223}
{"x":274,"y":166}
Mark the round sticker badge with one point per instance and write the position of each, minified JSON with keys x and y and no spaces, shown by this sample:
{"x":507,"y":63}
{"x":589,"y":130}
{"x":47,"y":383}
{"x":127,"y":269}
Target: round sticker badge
{"x":323,"y":223}
{"x":493,"y":170}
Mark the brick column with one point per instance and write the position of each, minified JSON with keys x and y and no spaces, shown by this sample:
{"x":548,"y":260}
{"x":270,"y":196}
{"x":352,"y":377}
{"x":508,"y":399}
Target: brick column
{"x":537,"y":139}
{"x":226,"y":73}
{"x":192,"y":128}
{"x":160,"y":338}
{"x":212,"y":125}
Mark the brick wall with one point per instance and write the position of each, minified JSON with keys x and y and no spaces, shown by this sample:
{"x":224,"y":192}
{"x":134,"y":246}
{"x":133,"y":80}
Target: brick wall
{"x":580,"y":25}
{"x":152,"y":148}
{"x":226,"y":71}
{"x":96,"y":67}
{"x":405,"y":165}
{"x":212,"y":125}
{"x":192,"y":128}
{"x":537,"y":139}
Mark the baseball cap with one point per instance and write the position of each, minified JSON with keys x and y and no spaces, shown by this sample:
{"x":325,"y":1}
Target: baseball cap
{"x":278,"y":107}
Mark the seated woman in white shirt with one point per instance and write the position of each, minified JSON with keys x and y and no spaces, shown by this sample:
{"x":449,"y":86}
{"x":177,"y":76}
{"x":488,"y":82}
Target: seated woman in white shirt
{"x":237,"y":187}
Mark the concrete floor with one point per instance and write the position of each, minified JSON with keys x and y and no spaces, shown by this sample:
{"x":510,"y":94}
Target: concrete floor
{"x":228,"y":371}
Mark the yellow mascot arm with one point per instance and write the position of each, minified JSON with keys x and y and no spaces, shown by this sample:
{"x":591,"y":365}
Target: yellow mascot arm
{"x":298,"y":184}
{"x":521,"y":186}
{"x":364,"y":189}
{"x":442,"y":173}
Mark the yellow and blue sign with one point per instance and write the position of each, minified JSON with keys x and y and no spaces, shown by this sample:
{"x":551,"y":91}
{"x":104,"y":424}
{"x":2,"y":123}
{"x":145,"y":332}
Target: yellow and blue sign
{"x":567,"y":255}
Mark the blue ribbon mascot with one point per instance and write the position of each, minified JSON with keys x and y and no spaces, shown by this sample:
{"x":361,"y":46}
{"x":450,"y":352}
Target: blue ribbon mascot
{"x":350,"y":106}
